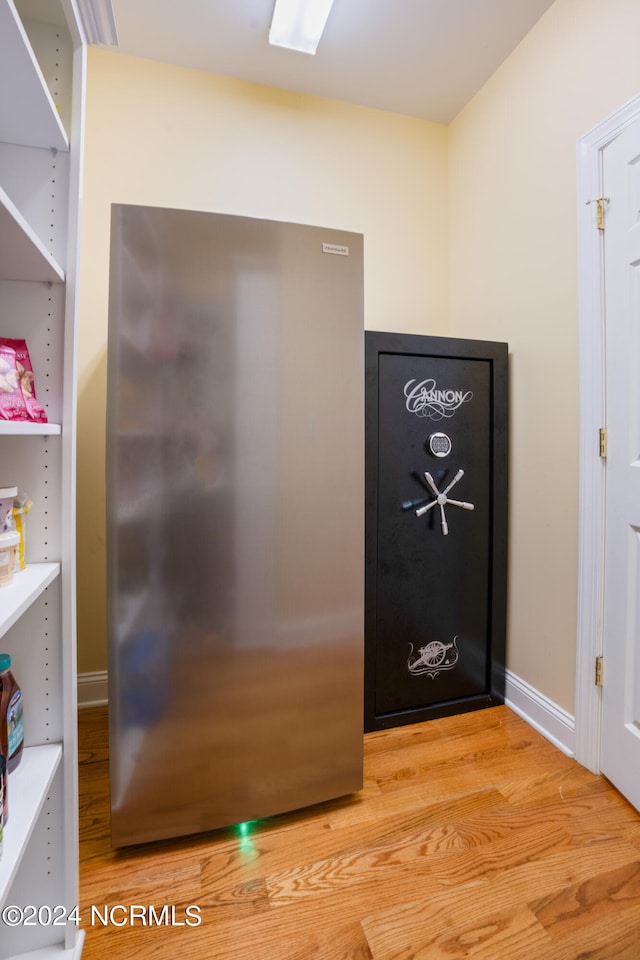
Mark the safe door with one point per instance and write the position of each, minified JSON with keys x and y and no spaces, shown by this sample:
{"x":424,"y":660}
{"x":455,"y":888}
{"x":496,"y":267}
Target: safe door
{"x":436,"y":526}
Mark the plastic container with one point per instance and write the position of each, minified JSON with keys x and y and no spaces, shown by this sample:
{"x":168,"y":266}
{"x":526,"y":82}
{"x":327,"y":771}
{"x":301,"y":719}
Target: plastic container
{"x":9,"y":543}
{"x":21,"y":507}
{"x":7,"y":496}
{"x":11,"y":722}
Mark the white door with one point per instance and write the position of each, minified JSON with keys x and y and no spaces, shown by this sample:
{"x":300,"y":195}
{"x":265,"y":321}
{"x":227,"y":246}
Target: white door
{"x":620,"y":745}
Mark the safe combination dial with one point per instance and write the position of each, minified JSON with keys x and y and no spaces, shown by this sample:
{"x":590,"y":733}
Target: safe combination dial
{"x":439,"y":444}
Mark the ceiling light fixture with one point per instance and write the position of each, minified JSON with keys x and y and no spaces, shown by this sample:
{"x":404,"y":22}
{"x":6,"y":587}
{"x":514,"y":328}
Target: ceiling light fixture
{"x":99,"y":22}
{"x":298,"y":24}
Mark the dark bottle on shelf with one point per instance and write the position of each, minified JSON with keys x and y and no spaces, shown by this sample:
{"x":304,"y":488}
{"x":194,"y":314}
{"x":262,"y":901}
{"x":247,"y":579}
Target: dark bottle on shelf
{"x":4,"y":803}
{"x":11,"y":722}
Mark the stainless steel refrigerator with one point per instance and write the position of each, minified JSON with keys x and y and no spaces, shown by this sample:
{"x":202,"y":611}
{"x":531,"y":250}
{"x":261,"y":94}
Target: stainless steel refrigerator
{"x":235,"y":538}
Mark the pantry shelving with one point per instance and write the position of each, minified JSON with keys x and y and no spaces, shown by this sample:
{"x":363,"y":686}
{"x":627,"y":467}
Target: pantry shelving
{"x":23,"y":256}
{"x":28,"y":114}
{"x":42,"y":78}
{"x":25,"y":590}
{"x":30,"y":784}
{"x":10,"y":429}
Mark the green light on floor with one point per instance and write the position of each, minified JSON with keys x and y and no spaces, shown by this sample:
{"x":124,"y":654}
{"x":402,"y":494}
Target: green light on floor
{"x":246,"y":843}
{"x":244,"y":829}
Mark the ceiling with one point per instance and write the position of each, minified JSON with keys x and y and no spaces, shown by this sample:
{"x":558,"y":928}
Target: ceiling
{"x":425,"y":58}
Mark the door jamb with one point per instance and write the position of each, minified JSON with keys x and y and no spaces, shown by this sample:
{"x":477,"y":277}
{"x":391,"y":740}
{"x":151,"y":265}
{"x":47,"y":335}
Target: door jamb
{"x":592,"y":478}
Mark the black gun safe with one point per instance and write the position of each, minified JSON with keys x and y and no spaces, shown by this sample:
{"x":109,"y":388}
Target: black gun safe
{"x":436,"y":415}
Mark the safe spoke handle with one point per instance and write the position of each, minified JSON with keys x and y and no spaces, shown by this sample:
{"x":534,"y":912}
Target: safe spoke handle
{"x":421,"y":512}
{"x":441,"y":499}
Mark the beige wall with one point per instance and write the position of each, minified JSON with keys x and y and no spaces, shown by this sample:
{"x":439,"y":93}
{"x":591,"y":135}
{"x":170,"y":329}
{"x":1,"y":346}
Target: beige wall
{"x":166,"y":136}
{"x":514,"y":277}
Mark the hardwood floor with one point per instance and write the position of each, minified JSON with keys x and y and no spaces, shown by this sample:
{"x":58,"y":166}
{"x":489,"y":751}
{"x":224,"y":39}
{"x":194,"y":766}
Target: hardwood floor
{"x":473,"y":838}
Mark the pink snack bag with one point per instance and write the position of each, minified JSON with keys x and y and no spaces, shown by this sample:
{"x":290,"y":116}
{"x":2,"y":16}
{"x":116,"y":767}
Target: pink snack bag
{"x":17,"y":389}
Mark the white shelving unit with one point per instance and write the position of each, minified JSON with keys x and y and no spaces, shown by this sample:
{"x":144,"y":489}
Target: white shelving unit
{"x":9,"y":429}
{"x":25,"y":590}
{"x":23,"y":256}
{"x":31,"y":782}
{"x":42,"y":77}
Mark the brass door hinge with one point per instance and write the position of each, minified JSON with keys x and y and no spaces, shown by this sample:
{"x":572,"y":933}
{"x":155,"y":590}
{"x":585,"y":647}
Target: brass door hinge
{"x":603,"y":441}
{"x":600,"y":202}
{"x":598,"y":671}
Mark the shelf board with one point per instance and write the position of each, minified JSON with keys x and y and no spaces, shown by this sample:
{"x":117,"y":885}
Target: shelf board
{"x":56,"y":952}
{"x":30,"y":119}
{"x":24,"y":428}
{"x":28,"y":786}
{"x":23,"y":256}
{"x":24,"y":589}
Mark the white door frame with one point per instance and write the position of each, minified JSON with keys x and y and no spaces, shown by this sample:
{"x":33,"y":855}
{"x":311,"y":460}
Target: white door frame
{"x":591,"y":308}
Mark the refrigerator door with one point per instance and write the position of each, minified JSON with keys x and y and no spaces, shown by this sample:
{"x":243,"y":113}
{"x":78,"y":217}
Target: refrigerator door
{"x":234,"y":519}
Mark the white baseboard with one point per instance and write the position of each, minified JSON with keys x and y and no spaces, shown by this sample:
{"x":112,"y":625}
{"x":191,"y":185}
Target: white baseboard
{"x":92,"y":689}
{"x":542,"y":714}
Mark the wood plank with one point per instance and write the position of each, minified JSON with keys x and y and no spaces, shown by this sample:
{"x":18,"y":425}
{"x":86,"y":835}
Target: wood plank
{"x":509,"y":935}
{"x":388,"y":929}
{"x":586,"y":903}
{"x":473,"y":838}
{"x":93,"y":735}
{"x":615,"y":937}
